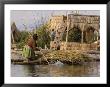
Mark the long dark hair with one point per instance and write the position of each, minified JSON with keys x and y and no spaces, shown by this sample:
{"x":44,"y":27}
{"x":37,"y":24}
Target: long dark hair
{"x":35,"y":36}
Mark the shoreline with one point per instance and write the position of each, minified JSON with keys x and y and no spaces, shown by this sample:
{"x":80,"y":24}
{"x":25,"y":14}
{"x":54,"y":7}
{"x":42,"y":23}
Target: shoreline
{"x":68,"y":57}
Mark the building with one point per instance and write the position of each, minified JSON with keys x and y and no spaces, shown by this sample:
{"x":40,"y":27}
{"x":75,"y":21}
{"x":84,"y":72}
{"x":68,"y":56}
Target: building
{"x":58,"y":25}
{"x":89,"y":25}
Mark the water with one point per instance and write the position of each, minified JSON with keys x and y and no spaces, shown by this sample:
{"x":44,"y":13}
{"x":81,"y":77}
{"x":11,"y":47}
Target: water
{"x":91,"y":69}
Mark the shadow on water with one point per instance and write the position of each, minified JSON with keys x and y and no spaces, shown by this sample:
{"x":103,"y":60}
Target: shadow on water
{"x":56,"y":70}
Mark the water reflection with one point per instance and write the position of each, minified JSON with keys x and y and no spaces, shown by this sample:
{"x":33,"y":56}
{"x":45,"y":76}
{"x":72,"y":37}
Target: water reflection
{"x":30,"y":70}
{"x":88,"y":69}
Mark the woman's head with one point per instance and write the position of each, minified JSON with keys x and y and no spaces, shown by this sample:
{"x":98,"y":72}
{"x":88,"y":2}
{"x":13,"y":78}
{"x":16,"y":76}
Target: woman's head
{"x":35,"y":37}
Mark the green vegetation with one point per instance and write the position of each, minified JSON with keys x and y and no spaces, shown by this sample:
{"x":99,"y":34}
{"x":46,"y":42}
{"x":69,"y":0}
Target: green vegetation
{"x":75,"y":57}
{"x":43,"y":36}
{"x":22,"y":40}
{"x":74,"y":35}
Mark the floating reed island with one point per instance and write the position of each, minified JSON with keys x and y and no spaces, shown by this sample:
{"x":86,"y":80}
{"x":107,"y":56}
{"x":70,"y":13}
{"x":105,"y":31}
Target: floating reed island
{"x":45,"y":57}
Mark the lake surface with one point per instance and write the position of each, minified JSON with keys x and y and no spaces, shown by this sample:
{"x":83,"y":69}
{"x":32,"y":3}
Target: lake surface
{"x":91,"y":69}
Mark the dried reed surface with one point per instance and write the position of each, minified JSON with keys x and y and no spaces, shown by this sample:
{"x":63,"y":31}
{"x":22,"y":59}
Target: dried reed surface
{"x":65,"y":56}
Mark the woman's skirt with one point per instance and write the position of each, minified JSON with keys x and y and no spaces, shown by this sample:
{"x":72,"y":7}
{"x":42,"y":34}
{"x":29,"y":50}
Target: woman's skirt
{"x":28,"y":52}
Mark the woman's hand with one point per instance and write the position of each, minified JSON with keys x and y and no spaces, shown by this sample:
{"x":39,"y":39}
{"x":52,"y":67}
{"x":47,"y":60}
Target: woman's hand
{"x":38,"y":49}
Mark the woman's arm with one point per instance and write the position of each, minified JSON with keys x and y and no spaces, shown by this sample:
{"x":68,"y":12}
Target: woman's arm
{"x":35,"y":46}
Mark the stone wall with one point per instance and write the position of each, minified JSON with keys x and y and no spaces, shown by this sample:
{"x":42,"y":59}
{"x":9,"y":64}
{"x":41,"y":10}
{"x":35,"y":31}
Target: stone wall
{"x":84,"y":22}
{"x":77,"y":46}
{"x":58,"y":24}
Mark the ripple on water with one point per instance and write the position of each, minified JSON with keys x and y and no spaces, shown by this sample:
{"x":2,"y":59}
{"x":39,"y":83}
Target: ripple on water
{"x":58,"y":70}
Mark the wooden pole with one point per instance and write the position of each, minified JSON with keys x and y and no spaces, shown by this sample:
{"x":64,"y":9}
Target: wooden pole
{"x":82,"y":37}
{"x":82,"y":34}
{"x":67,"y":31}
{"x":97,"y":39}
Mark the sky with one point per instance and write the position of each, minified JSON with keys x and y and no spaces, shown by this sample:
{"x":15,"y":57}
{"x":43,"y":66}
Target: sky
{"x":31,"y":19}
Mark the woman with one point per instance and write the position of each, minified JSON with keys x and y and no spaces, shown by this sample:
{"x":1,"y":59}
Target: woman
{"x":53,"y":35}
{"x":30,"y":47}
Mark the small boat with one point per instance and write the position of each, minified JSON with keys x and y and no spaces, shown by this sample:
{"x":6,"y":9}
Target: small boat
{"x":34,"y":62}
{"x":17,"y":58}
